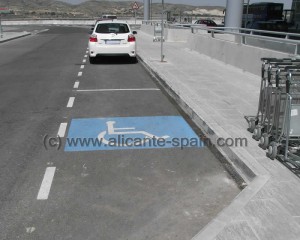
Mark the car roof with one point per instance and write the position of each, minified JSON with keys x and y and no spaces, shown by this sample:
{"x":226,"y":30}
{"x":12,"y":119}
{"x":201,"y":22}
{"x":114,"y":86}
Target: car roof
{"x":112,"y":21}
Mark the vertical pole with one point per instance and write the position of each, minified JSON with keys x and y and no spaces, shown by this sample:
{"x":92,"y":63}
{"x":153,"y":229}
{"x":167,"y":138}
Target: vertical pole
{"x":162,"y":31}
{"x":134,"y":16}
{"x":146,"y":10}
{"x":151,"y":13}
{"x":1,"y":30}
{"x":247,"y":14}
{"x":234,"y":13}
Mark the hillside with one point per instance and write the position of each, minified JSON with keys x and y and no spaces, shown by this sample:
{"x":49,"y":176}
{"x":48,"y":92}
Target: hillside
{"x":93,"y":8}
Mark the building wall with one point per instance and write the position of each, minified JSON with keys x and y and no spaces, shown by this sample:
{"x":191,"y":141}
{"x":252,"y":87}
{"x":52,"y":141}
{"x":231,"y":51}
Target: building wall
{"x":296,"y":7}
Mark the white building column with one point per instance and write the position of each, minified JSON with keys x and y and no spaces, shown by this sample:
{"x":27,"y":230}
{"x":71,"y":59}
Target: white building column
{"x":146,"y":10}
{"x":234,"y":13}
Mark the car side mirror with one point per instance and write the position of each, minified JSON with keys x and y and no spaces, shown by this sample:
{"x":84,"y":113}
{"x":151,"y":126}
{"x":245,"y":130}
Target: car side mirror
{"x":92,"y":28}
{"x":134,"y":32}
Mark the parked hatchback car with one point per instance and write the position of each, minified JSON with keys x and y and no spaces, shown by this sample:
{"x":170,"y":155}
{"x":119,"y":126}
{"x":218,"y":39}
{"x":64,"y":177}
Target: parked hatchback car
{"x":112,"y":38}
{"x":207,"y":22}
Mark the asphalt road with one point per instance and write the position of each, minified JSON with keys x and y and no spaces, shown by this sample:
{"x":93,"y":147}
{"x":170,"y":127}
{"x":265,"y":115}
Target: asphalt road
{"x":137,"y":193}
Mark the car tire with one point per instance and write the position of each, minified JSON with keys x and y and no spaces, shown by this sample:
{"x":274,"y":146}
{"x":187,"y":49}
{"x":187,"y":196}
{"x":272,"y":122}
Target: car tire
{"x":133,"y":60}
{"x":92,"y":60}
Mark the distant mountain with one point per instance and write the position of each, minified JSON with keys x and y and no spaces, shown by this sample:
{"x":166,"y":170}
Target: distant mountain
{"x":94,"y":8}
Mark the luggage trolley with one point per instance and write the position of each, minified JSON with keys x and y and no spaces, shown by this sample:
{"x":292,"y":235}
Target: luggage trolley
{"x":267,"y":94}
{"x":274,"y":105}
{"x":253,"y":121}
{"x":275,"y":115}
{"x":157,"y":32}
{"x":286,"y":146}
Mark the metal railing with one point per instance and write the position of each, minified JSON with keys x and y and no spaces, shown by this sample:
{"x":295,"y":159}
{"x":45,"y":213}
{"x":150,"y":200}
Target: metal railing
{"x":246,"y":33}
{"x":152,"y":22}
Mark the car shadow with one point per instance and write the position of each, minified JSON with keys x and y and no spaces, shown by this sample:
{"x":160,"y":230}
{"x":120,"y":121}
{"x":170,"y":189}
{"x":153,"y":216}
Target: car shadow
{"x":108,"y":60}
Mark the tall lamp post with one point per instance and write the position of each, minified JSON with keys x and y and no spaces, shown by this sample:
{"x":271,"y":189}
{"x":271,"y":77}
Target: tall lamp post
{"x":151,"y":10}
{"x":162,"y":32}
{"x":246,"y":22}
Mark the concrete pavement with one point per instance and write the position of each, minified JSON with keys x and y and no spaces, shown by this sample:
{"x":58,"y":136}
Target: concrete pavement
{"x":161,"y":193}
{"x":217,"y":96}
{"x":8,"y":36}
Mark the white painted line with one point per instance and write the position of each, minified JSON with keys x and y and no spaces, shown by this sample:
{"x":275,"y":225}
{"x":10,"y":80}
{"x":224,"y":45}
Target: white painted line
{"x":79,"y":74}
{"x":46,"y":184}
{"x":85,"y":56}
{"x":76,"y":84}
{"x":87,"y":52}
{"x":84,"y":60}
{"x":62,"y":130}
{"x":71,"y":102}
{"x":82,"y":67}
{"x":115,"y":90}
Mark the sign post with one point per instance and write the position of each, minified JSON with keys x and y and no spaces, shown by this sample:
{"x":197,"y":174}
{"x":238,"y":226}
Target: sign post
{"x":1,"y":31}
{"x":135,"y":7}
{"x":162,"y":32}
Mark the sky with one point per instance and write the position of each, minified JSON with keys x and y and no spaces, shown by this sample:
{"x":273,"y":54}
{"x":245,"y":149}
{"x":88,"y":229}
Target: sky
{"x":287,"y":3}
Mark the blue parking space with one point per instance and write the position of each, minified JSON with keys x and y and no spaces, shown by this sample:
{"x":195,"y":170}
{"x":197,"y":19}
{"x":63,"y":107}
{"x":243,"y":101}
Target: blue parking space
{"x":91,"y":134}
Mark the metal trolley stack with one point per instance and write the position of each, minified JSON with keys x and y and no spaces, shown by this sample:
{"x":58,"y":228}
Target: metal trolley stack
{"x":277,"y":123}
{"x":157,"y":33}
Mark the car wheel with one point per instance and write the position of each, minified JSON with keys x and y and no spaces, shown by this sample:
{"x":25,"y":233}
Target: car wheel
{"x":133,"y":60}
{"x":92,"y":60}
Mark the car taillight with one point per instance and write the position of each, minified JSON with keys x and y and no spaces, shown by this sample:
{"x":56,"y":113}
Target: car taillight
{"x":131,"y":38}
{"x":93,"y":38}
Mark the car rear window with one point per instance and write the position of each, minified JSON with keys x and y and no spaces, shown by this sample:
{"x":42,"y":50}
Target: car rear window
{"x":112,"y":28}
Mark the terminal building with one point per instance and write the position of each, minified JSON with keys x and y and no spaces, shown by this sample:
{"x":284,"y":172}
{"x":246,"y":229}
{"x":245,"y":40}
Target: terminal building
{"x":296,"y":8}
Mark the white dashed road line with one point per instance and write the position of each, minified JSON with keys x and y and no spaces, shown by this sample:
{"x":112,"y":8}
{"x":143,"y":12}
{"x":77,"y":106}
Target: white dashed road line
{"x":82,"y":67}
{"x":46,"y":184}
{"x":76,"y":84}
{"x":115,"y":90}
{"x":79,"y":74}
{"x":71,"y":102}
{"x":62,"y":130}
{"x":84,"y":60}
{"x":85,"y":56}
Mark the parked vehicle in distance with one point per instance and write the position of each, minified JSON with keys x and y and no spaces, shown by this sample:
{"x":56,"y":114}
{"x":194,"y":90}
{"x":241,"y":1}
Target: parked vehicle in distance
{"x":106,"y":17}
{"x":109,"y":16}
{"x":112,"y":38}
{"x":207,"y":22}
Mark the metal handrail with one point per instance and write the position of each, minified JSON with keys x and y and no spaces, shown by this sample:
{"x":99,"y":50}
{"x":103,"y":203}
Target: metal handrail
{"x":287,"y":35}
{"x":151,"y":22}
{"x":240,"y":32}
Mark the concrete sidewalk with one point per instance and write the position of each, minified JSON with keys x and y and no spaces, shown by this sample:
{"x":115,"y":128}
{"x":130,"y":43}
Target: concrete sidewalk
{"x":8,"y":36}
{"x":217,"y":96}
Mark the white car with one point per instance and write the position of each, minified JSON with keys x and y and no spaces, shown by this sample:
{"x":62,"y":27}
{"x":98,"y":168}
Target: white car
{"x":112,"y":38}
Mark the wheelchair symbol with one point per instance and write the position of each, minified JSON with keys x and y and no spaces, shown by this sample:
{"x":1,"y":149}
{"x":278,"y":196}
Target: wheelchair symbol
{"x":111,"y":130}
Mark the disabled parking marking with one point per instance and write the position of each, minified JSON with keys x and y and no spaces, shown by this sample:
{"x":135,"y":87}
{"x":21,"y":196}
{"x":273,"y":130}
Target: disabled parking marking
{"x":92,"y":134}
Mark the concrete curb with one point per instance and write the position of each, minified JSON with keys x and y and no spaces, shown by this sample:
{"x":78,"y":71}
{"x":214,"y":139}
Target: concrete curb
{"x":13,"y":38}
{"x":255,"y":176}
